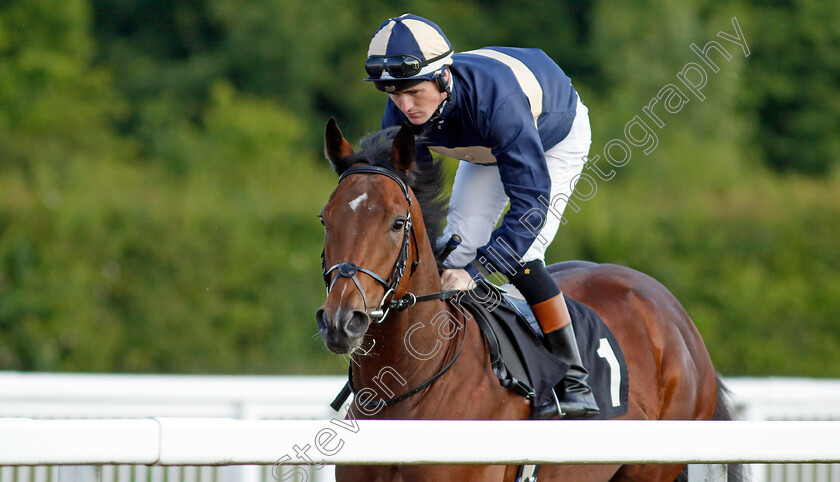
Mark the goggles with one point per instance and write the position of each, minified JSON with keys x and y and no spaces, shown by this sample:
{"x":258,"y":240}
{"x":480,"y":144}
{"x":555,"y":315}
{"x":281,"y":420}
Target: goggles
{"x":397,"y":66}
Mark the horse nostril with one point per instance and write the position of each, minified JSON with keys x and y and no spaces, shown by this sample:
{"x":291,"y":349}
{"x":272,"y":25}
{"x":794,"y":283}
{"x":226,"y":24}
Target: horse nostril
{"x":358,"y":324}
{"x":321,"y":321}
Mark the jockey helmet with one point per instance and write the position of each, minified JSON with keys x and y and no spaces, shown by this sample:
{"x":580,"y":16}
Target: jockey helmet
{"x":405,"y":51}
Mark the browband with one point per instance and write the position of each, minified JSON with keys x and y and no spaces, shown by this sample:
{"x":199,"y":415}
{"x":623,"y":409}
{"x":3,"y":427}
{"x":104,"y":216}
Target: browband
{"x":367,"y":169}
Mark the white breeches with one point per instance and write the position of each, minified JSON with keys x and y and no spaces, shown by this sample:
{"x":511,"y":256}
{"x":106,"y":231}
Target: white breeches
{"x":478,"y":198}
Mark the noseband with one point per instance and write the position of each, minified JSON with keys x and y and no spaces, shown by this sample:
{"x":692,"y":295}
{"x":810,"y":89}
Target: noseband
{"x":349,"y":269}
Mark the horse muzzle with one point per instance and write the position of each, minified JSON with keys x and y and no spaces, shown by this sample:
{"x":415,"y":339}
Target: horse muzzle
{"x":343,"y":330}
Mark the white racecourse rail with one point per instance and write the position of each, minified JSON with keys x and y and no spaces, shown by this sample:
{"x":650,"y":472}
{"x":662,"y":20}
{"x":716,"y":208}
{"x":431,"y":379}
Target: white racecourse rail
{"x":195,"y":441}
{"x":257,"y":400}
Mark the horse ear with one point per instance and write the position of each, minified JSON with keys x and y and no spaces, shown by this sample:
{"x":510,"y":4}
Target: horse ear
{"x":336,"y":146}
{"x":404,"y":153}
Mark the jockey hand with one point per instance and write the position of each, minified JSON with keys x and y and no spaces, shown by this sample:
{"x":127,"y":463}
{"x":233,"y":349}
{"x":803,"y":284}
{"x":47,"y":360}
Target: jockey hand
{"x":456,"y":279}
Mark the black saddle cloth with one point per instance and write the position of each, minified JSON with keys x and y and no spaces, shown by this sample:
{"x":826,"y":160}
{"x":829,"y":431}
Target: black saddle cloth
{"x":522,"y":362}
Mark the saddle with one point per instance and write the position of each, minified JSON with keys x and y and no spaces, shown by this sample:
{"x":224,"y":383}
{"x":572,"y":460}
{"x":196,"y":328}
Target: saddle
{"x":522,"y":363}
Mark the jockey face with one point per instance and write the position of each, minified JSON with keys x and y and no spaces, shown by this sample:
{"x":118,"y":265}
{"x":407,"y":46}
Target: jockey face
{"x":419,"y":102}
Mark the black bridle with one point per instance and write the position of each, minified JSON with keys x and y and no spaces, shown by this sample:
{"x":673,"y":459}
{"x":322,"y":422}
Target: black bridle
{"x":348,"y":269}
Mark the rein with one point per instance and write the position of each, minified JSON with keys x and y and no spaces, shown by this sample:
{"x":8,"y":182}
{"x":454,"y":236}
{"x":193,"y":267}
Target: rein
{"x":348,"y":387}
{"x":350,"y":270}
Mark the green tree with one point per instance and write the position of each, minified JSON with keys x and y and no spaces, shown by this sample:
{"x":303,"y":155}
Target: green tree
{"x":795,"y":71}
{"x":161,"y":169}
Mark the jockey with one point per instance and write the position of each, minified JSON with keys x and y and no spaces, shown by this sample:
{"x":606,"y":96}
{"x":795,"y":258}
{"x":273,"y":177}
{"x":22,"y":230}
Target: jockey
{"x":522,"y":135}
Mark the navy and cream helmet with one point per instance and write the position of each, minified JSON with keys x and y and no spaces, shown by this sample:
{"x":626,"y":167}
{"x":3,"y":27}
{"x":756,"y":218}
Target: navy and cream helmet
{"x":405,"y":51}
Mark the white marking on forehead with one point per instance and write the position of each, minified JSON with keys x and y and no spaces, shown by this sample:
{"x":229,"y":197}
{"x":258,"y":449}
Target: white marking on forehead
{"x":355,"y":203}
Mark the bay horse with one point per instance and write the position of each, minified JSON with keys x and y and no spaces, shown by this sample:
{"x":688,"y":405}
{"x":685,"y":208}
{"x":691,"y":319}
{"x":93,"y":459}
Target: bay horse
{"x":413,"y":356}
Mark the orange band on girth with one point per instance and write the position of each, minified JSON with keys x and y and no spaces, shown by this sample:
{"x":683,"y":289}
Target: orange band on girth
{"x":552,"y":314}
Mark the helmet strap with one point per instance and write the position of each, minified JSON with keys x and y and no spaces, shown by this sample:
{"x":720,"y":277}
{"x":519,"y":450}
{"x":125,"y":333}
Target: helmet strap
{"x":445,"y":86}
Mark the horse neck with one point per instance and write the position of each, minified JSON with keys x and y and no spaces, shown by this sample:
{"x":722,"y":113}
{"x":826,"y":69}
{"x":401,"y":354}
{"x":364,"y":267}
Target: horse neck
{"x":407,"y":348}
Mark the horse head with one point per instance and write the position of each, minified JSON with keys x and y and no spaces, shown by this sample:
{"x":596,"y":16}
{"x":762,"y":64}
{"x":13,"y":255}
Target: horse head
{"x":368,"y":230}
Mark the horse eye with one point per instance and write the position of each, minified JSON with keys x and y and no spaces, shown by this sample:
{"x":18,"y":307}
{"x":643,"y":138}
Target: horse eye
{"x":321,"y":218}
{"x":398,"y":225}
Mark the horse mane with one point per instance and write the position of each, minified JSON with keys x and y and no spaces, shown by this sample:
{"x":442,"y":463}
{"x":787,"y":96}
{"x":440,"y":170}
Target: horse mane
{"x":426,"y":178}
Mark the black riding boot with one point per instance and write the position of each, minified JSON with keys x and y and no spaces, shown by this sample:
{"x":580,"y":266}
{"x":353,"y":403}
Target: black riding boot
{"x":575,"y":398}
